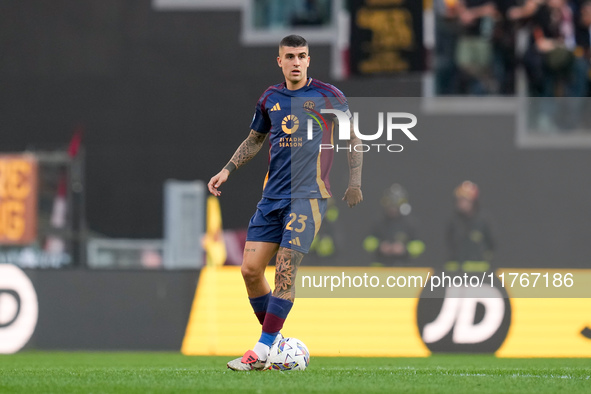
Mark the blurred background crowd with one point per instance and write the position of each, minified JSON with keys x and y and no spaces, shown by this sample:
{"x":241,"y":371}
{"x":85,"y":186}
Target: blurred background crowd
{"x":481,"y":43}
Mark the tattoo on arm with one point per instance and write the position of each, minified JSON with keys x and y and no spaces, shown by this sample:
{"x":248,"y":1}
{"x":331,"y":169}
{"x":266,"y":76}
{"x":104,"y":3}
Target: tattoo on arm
{"x":355,"y":161}
{"x":246,"y":151}
{"x":286,"y":269}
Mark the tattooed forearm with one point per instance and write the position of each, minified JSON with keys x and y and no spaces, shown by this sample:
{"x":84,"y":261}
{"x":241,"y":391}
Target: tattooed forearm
{"x":286,"y":268}
{"x":231,"y":167}
{"x":246,"y":151}
{"x":355,"y":162}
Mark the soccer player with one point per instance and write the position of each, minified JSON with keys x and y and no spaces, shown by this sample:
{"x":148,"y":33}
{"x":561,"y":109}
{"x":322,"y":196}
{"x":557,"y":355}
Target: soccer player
{"x":295,"y":191}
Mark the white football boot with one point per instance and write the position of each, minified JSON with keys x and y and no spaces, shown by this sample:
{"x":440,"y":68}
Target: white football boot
{"x":249,"y":362}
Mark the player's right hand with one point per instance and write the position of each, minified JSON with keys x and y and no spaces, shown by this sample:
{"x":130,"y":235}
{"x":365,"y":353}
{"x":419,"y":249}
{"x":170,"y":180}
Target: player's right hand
{"x":353,"y":196}
{"x":216,"y":181}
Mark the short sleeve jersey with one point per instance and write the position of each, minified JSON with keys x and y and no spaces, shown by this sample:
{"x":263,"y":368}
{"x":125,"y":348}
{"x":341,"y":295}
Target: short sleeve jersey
{"x":300,"y":137}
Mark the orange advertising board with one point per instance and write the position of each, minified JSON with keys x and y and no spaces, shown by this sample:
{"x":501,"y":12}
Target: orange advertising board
{"x":18,"y":199}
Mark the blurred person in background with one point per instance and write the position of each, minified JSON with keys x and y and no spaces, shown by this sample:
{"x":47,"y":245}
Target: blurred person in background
{"x":556,"y":60}
{"x":474,"y":51}
{"x":578,"y":88}
{"x":446,"y":34}
{"x":503,"y":40}
{"x":582,"y":51}
{"x":550,"y":55}
{"x":393,"y":240}
{"x":554,"y":39}
{"x":577,"y":85}
{"x":469,"y":237}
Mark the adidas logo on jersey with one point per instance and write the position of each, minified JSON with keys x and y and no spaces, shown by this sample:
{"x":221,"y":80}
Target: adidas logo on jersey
{"x":276,"y":107}
{"x":296,"y":241}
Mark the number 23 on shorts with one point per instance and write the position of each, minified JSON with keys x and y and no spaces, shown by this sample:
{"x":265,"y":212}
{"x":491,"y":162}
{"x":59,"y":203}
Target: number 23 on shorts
{"x":301,"y":220}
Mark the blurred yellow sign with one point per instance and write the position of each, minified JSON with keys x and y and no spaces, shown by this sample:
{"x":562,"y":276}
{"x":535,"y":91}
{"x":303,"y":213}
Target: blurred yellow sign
{"x":18,"y":199}
{"x":213,"y":241}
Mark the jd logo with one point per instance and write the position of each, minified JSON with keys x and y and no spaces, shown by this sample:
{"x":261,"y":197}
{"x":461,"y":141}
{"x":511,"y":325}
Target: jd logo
{"x":469,"y":320}
{"x":18,"y":309}
{"x":10,"y":306}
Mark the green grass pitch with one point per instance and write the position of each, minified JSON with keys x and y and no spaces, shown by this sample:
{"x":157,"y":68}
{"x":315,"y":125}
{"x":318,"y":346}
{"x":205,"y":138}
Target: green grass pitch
{"x":84,"y":372}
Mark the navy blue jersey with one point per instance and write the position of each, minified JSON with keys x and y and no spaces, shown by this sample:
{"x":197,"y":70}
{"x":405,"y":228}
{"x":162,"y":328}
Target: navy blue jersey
{"x":298,"y":168}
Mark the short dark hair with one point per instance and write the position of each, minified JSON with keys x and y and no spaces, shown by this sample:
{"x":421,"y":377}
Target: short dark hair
{"x":294,"y":41}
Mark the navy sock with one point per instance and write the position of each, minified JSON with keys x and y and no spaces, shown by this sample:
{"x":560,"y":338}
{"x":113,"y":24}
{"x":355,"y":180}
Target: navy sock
{"x":277,"y":312}
{"x":260,"y":305}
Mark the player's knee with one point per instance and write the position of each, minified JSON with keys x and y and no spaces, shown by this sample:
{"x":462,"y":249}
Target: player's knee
{"x":250,"y":273}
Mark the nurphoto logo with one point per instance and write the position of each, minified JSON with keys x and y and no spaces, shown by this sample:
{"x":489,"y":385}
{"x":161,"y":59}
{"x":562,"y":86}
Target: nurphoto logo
{"x":392,"y":120}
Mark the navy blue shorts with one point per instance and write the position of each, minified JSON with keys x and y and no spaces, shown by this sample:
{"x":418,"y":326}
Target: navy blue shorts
{"x":291,"y":223}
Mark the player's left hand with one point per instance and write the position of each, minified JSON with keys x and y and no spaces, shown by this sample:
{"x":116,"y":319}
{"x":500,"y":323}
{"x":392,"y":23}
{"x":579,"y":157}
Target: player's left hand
{"x":353,"y":196}
{"x":216,"y":181}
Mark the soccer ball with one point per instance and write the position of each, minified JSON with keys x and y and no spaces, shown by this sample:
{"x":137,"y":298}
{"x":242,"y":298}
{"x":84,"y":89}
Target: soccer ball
{"x":288,"y":354}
